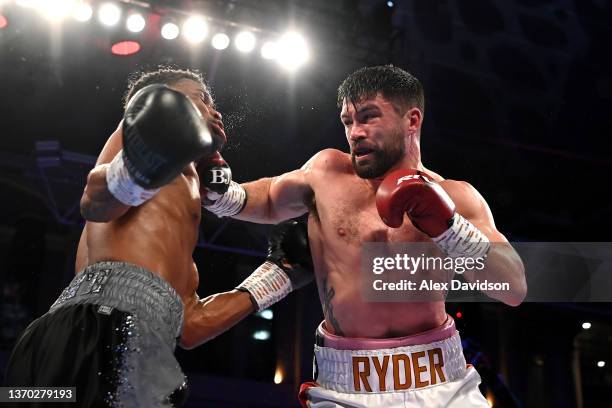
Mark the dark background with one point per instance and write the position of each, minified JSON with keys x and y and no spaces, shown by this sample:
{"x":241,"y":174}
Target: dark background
{"x":517,"y":103}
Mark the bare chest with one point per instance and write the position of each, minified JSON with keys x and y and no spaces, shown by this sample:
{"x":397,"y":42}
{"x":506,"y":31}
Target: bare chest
{"x":347,"y":213}
{"x":181,"y":197}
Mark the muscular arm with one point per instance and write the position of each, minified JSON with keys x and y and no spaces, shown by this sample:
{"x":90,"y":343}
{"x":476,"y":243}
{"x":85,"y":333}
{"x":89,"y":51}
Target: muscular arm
{"x":209,"y":317}
{"x":503,"y":264}
{"x":272,"y":200}
{"x":97,"y":203}
{"x":288,"y":267}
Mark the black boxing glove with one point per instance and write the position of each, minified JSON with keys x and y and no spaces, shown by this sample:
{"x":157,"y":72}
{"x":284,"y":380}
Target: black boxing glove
{"x":288,"y":266}
{"x":215,"y":177}
{"x":163,"y":132}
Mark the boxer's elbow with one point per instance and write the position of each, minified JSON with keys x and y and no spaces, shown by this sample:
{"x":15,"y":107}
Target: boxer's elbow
{"x":518,"y":288}
{"x":198,"y":330}
{"x":188,"y":339}
{"x":101,"y":211}
{"x":88,"y":211}
{"x":92,"y":211}
{"x":514,"y":300}
{"x":187,"y":342}
{"x":519,"y":293}
{"x":97,"y":203}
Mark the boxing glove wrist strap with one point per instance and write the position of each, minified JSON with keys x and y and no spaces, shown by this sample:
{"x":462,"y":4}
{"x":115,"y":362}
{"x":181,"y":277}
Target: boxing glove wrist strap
{"x":230,"y":203}
{"x":123,"y":186}
{"x":267,"y":285}
{"x":463,"y":239}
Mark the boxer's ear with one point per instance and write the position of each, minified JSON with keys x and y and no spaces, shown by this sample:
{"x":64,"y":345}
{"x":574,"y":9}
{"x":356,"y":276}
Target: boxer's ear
{"x":413,"y":118}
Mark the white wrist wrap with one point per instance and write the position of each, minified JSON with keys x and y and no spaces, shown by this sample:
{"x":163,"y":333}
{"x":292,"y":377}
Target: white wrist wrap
{"x":463,"y":239}
{"x":123,"y":187}
{"x":267,"y":285}
{"x":230,"y":203}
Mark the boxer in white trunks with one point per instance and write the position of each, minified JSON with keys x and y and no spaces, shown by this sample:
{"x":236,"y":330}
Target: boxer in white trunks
{"x":382,"y":354}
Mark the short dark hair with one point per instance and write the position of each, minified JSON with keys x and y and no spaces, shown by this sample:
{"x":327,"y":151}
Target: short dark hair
{"x":162,"y":75}
{"x":395,"y":85}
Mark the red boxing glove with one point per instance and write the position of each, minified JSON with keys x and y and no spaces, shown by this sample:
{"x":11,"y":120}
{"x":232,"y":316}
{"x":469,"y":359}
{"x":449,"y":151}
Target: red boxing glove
{"x":431,"y":210}
{"x":412,"y":192}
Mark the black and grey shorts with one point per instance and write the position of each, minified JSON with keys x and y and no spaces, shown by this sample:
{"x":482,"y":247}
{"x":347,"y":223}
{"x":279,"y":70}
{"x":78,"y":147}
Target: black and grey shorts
{"x":111,"y":334}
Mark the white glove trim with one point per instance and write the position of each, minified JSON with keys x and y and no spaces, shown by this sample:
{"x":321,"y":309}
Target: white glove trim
{"x":123,"y":187}
{"x":230,"y":203}
{"x":463,"y":239}
{"x":267,"y":284}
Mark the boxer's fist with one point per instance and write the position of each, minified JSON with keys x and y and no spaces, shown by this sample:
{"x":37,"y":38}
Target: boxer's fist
{"x":289,"y":249}
{"x":163,"y":132}
{"x":431,"y":210}
{"x":412,"y":192}
{"x":215,"y":177}
{"x":288,"y":266}
{"x":220,"y":194}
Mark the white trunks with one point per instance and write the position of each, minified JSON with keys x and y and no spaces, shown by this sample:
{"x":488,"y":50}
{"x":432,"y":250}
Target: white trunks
{"x":425,"y":370}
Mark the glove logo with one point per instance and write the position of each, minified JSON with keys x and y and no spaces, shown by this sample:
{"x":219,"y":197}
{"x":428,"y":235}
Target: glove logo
{"x":219,"y":177}
{"x":411,"y":177}
{"x":141,"y":153}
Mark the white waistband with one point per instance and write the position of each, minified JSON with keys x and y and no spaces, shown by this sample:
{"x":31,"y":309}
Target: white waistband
{"x":398,"y":369}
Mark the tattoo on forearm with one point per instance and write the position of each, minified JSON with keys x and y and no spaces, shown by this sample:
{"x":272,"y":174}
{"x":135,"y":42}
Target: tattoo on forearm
{"x":328,"y":308}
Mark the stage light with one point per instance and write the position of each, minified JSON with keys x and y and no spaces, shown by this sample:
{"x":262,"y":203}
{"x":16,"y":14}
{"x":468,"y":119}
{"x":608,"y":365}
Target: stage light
{"x":278,"y":376}
{"x":389,"y":4}
{"x":3,"y":22}
{"x":109,"y":14}
{"x":601,"y":364}
{"x":136,"y":23}
{"x":266,"y":314}
{"x":82,"y":12}
{"x":170,"y":31}
{"x":269,"y":50}
{"x":261,"y":335}
{"x":490,"y":400}
{"x":586,"y":325}
{"x":292,"y":51}
{"x":459,"y":315}
{"x":245,"y":41}
{"x":125,"y":48}
{"x":56,"y":10}
{"x":220,"y":41}
{"x":195,"y":29}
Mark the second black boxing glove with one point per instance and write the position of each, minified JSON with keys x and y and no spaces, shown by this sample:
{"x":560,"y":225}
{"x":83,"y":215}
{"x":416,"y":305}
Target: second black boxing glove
{"x":288,"y":266}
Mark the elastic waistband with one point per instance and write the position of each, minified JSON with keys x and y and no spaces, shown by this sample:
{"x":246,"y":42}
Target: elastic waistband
{"x":129,"y":288}
{"x":327,"y":339}
{"x":391,"y":369}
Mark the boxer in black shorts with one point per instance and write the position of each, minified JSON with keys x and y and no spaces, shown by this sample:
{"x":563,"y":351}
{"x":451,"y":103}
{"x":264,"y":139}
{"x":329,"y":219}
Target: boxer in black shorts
{"x":113,"y":330}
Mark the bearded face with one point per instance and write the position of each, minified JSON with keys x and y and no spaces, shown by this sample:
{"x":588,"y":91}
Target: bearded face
{"x":374,"y":160}
{"x":375,"y":129}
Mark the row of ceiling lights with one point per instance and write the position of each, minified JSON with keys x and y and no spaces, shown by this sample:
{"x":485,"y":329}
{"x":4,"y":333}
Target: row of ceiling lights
{"x":290,"y":50}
